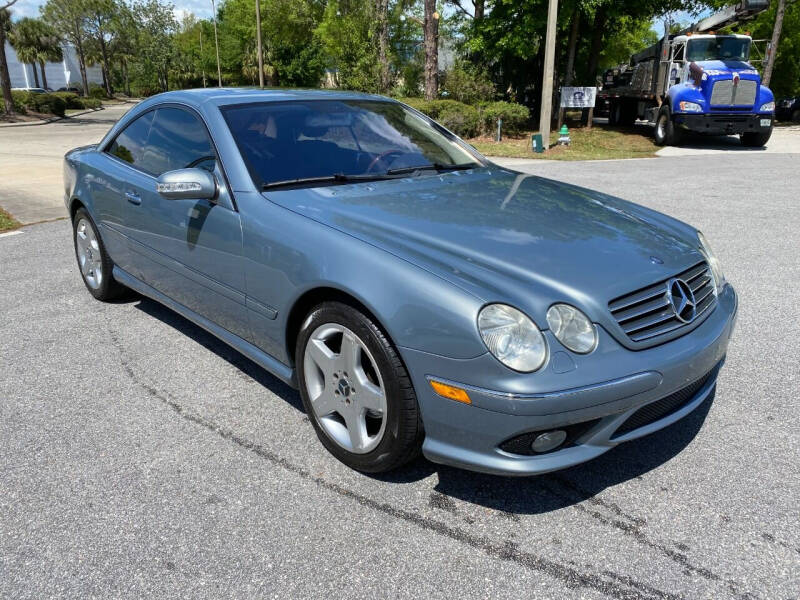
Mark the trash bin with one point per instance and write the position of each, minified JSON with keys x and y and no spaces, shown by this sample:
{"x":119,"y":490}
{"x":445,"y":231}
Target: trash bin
{"x":536,"y":143}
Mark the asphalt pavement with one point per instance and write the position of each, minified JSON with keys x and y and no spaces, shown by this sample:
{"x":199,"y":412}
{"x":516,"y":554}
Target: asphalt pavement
{"x":141,"y":457}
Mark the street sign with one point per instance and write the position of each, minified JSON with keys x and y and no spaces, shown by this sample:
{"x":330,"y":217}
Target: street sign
{"x":578,"y":97}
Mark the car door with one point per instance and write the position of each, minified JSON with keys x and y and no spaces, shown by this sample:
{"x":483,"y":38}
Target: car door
{"x":190,"y":250}
{"x":111,"y":178}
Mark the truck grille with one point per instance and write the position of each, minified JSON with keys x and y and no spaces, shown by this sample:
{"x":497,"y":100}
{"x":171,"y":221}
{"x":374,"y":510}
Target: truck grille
{"x":647,"y":313}
{"x":727,"y":94}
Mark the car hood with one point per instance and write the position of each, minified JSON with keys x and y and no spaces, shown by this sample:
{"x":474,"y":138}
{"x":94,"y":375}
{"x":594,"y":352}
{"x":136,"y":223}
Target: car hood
{"x":509,"y":237}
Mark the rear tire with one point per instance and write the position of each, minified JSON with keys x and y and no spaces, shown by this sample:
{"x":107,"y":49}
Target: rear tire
{"x":666,"y":134}
{"x":756,"y":139}
{"x":356,"y":390}
{"x":796,"y":116}
{"x":94,"y":264}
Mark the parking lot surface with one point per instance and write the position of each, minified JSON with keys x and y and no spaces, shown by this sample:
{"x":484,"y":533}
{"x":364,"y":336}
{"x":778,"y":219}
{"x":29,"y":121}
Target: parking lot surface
{"x":140,"y":456}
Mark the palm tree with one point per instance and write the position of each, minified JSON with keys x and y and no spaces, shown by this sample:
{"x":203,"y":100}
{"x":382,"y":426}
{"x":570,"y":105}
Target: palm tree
{"x":24,"y":37}
{"x":49,"y":49}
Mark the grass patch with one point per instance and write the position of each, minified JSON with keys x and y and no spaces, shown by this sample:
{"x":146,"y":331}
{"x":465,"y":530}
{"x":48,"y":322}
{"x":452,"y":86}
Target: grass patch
{"x":7,"y":222}
{"x":598,"y":143}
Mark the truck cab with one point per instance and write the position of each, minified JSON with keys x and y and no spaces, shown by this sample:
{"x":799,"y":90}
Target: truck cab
{"x":713,"y":89}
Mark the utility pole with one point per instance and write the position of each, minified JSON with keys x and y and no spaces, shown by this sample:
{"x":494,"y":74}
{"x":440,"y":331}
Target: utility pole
{"x":258,"y":38}
{"x":773,"y":46}
{"x":216,"y":44}
{"x":547,"y":80}
{"x":202,"y":63}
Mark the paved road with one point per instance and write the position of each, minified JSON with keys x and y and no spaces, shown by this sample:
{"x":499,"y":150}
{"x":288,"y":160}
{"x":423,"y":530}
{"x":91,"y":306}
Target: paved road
{"x":139,"y":456}
{"x":31,"y":185}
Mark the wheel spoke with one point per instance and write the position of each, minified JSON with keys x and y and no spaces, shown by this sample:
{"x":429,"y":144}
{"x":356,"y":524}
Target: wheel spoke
{"x":350,"y":353}
{"x":86,"y":265}
{"x":324,"y":358}
{"x":356,"y":428}
{"x":325,"y":404}
{"x":369,"y":395}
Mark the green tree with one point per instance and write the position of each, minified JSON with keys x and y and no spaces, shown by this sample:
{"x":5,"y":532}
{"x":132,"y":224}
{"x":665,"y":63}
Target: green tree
{"x":100,"y":28}
{"x":25,"y":36}
{"x":348,"y":36}
{"x":70,"y":19}
{"x":5,"y":80}
{"x":155,"y":42}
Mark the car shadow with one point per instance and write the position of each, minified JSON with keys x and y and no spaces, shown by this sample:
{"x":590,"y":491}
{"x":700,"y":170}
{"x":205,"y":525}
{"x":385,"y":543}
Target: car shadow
{"x":554,"y":491}
{"x":233,"y":357}
{"x":509,"y":495}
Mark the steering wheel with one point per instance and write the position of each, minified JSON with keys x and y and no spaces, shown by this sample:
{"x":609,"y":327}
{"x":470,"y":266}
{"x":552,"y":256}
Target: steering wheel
{"x":380,"y":157}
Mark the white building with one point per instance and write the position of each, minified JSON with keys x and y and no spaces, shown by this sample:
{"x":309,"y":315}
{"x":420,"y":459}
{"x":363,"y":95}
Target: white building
{"x":58,"y":74}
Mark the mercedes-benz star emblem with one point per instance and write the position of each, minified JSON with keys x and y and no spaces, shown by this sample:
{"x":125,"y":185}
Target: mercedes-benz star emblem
{"x":681,"y":297}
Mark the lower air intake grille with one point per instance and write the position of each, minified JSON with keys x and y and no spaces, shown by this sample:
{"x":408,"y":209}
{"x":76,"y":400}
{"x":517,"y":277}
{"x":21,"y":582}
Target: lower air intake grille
{"x":650,"y":413}
{"x":648,"y":313}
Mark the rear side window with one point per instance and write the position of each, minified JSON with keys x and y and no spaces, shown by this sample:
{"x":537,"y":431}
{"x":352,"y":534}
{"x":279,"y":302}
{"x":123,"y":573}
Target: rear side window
{"x":129,"y":145}
{"x":178,"y":140}
{"x":164,"y":140}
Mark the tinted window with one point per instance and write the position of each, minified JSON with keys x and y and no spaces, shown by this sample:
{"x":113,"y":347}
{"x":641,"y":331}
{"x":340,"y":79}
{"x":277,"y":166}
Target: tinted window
{"x":129,"y":145}
{"x":293,"y":140}
{"x":178,"y":140}
{"x":718,"y":48}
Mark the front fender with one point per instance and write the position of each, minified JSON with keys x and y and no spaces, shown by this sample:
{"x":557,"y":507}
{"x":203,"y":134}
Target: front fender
{"x":764,"y":95}
{"x":418,"y":309}
{"x":684,"y":92}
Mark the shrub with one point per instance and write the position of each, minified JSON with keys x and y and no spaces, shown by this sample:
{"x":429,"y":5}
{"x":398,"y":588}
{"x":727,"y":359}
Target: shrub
{"x":461,"y":119}
{"x":20,"y":101}
{"x":515,"y":116}
{"x":97,"y":91}
{"x":71,"y":99}
{"x":467,"y":83}
{"x":48,"y":103}
{"x":90,"y":103}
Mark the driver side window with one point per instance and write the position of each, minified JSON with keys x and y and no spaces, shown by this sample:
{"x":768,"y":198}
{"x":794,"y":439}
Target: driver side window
{"x":178,"y":140}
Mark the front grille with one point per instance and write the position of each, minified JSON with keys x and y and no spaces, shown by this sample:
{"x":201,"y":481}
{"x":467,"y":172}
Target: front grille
{"x":647,"y":313}
{"x":727,"y":94}
{"x":655,"y":411}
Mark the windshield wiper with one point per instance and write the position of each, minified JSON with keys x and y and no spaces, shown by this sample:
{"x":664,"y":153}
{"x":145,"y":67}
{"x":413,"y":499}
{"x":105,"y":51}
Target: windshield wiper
{"x":434,"y":167}
{"x":335,"y":178}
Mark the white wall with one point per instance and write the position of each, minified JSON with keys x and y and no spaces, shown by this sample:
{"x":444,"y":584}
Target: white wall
{"x":58,"y":74}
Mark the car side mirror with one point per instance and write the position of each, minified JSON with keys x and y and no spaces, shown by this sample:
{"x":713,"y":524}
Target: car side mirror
{"x":187,"y":184}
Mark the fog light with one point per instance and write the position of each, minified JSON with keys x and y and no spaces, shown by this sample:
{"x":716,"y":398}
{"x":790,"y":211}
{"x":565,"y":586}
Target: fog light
{"x":549,"y":440}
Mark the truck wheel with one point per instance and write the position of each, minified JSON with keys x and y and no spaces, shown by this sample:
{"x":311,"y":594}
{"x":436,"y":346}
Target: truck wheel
{"x":627,"y":116}
{"x":796,"y":116}
{"x":756,"y":139}
{"x":666,"y":133}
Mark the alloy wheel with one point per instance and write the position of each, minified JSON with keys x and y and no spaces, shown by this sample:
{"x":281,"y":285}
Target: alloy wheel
{"x":89,"y":256}
{"x":345,"y":388}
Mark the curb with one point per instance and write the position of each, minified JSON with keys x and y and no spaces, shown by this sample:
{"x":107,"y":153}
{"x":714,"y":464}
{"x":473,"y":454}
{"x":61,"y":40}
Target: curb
{"x":52,"y":119}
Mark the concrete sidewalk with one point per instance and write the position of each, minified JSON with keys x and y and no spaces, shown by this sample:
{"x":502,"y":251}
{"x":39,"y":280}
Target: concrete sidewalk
{"x":31,"y":155}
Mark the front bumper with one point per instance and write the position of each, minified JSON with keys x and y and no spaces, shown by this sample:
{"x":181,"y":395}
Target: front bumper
{"x":470,"y":435}
{"x":723,"y":123}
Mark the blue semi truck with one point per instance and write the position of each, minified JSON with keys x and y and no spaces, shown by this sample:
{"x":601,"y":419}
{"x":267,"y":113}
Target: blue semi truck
{"x":695,"y":81}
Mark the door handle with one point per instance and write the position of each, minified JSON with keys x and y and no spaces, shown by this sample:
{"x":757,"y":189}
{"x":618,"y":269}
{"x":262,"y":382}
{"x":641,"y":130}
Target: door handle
{"x":133,"y":198}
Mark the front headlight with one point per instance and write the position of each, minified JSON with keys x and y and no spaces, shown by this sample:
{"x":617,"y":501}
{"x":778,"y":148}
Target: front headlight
{"x":767,"y":107}
{"x":512,"y":337}
{"x":713,"y":263}
{"x":690,"y":107}
{"x":572,"y":328}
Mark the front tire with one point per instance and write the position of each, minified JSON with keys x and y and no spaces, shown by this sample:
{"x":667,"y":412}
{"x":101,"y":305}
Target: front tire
{"x":666,"y":134}
{"x":93,"y":261}
{"x":756,"y":139}
{"x":356,"y":390}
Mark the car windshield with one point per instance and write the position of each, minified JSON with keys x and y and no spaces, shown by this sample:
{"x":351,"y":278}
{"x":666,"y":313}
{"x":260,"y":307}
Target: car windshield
{"x":329,"y":141}
{"x":718,"y":48}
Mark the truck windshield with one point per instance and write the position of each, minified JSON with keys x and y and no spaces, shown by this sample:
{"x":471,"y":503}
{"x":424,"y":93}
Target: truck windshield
{"x":324,"y":142}
{"x":718,"y":48}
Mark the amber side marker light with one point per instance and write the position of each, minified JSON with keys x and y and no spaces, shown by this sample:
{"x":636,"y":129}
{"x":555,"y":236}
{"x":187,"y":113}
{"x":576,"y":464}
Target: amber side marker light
{"x":449,"y":391}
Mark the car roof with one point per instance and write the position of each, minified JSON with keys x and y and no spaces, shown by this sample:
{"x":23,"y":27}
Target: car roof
{"x":228,"y":96}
